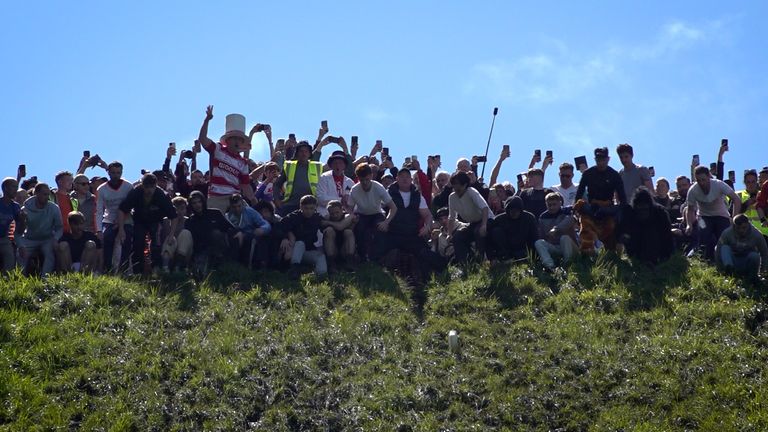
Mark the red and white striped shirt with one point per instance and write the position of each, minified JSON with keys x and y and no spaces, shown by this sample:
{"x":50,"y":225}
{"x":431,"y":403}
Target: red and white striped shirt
{"x":228,"y":171}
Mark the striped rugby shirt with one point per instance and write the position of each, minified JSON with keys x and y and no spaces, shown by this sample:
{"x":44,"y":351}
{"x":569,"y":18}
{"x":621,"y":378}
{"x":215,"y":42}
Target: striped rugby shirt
{"x":228,"y":171}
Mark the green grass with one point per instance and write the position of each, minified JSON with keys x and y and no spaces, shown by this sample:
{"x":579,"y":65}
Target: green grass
{"x":608,"y":346}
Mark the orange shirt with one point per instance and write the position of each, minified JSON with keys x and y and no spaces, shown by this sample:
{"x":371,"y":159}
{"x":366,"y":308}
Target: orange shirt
{"x":65,"y":206}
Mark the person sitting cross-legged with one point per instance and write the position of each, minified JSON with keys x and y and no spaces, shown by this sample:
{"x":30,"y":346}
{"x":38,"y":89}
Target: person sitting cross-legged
{"x":557,"y":231}
{"x":251,"y":227}
{"x":338,"y":237}
{"x":742,"y":249}
{"x":302,"y":226}
{"x":78,"y":250}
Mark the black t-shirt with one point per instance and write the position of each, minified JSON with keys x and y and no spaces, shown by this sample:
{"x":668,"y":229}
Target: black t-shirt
{"x":158,"y":208}
{"x":77,"y":246}
{"x":601,"y":185}
{"x":534,"y":201}
{"x":304,"y":229}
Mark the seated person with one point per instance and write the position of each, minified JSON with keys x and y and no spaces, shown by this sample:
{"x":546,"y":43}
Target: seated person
{"x":514,"y":233}
{"x":301,"y":227}
{"x":78,"y":250}
{"x":645,"y":230}
{"x":742,"y":249}
{"x":338,"y":236}
{"x":210,"y":233}
{"x":267,"y":253}
{"x":171,"y":255}
{"x":10,"y":214}
{"x":251,"y":227}
{"x":440,"y":240}
{"x":468,"y":205}
{"x":557,"y":229}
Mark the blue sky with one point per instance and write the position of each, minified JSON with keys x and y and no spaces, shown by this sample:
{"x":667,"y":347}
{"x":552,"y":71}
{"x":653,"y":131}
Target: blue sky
{"x":124,"y":79}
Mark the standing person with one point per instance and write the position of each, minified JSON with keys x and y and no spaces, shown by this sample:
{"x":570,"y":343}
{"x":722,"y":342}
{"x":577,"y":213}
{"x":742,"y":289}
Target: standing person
{"x":707,"y":208}
{"x":741,"y":248}
{"x":333,"y":184}
{"x":466,"y":204}
{"x":43,"y":229}
{"x":266,"y":188}
{"x":84,"y":201}
{"x":148,"y":206}
{"x":109,"y":196}
{"x":411,"y":226}
{"x":10,"y":212}
{"x":229,"y":171}
{"x":64,"y":184}
{"x":557,"y":232}
{"x":367,"y":199}
{"x":534,"y":196}
{"x":567,"y":188}
{"x":300,"y":178}
{"x":748,"y":198}
{"x":633,"y":176}
{"x":598,"y":217}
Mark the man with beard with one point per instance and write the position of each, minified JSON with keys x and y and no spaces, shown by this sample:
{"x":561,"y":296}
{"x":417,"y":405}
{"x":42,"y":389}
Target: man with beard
{"x":108,"y":198}
{"x":645,"y":230}
{"x":711,"y":212}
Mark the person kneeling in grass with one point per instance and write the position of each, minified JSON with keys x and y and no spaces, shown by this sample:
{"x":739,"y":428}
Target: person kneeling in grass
{"x":302,"y":226}
{"x":338,"y":237}
{"x":742,"y":249}
{"x":557,"y":231}
{"x":78,"y":250}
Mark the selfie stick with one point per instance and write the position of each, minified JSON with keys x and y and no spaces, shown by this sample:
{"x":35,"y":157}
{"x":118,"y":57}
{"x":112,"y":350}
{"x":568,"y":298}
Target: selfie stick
{"x":495,"y":111}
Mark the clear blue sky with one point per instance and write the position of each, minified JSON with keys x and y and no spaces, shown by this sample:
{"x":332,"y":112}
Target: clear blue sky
{"x":123,"y":79}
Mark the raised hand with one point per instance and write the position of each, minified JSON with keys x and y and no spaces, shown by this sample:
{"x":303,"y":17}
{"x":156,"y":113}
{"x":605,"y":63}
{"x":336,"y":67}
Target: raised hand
{"x":209,"y":113}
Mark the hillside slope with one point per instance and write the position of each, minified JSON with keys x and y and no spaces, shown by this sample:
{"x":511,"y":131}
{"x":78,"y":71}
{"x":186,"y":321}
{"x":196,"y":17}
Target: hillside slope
{"x":607,"y":346}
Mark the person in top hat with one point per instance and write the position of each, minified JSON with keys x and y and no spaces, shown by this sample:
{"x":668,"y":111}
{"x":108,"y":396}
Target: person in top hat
{"x":229,"y":172}
{"x":600,"y":183}
{"x":300,"y":178}
{"x":333,"y":184}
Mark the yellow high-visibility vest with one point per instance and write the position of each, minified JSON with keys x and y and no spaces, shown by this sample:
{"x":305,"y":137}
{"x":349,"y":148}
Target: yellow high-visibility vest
{"x":751,"y":213}
{"x":315,"y":170}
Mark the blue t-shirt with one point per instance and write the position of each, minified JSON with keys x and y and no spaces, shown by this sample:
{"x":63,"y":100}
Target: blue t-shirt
{"x":8,"y":213}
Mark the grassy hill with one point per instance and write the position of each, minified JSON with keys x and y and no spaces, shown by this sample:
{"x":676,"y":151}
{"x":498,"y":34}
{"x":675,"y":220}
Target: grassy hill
{"x":607,"y":346}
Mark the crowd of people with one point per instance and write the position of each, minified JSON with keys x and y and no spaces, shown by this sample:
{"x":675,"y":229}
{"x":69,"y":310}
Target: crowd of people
{"x":300,"y":210}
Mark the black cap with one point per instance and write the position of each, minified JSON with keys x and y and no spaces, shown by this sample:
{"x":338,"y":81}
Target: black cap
{"x":601,"y":152}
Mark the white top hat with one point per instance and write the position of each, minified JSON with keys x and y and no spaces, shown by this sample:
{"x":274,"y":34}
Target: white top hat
{"x":235,"y":126}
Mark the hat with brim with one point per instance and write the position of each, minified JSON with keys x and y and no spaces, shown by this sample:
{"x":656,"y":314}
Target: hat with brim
{"x":337,"y":155}
{"x":235,"y":127}
{"x":303,"y":144}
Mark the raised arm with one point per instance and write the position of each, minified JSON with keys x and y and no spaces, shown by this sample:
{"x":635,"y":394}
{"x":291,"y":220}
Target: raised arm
{"x":496,"y":168}
{"x":203,"y":137}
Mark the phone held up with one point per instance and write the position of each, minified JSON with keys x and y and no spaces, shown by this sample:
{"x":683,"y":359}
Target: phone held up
{"x":22,"y":170}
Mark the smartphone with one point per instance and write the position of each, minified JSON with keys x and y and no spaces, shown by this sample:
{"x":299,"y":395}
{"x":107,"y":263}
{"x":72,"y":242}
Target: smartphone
{"x":724,"y":142}
{"x":482,"y":159}
{"x":414,"y":158}
{"x":579,"y":161}
{"x":696,"y":160}
{"x":549,"y":153}
{"x":23,"y":170}
{"x":652,"y":171}
{"x":520,"y":178}
{"x":354,"y":139}
{"x":324,"y":124}
{"x":86,"y":154}
{"x":732,"y":176}
{"x":537,"y":152}
{"x":506,"y":147}
{"x":407,"y":161}
{"x":379,"y":143}
{"x":385,"y":151}
{"x":292,"y":137}
{"x":173,"y":144}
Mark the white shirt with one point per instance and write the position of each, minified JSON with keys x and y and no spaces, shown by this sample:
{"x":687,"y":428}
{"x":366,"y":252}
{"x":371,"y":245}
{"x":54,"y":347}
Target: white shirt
{"x":368,"y":202}
{"x":407,"y":199}
{"x":713,"y":203}
{"x":568,"y":194}
{"x":328,"y":191}
{"x":468,"y":206}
